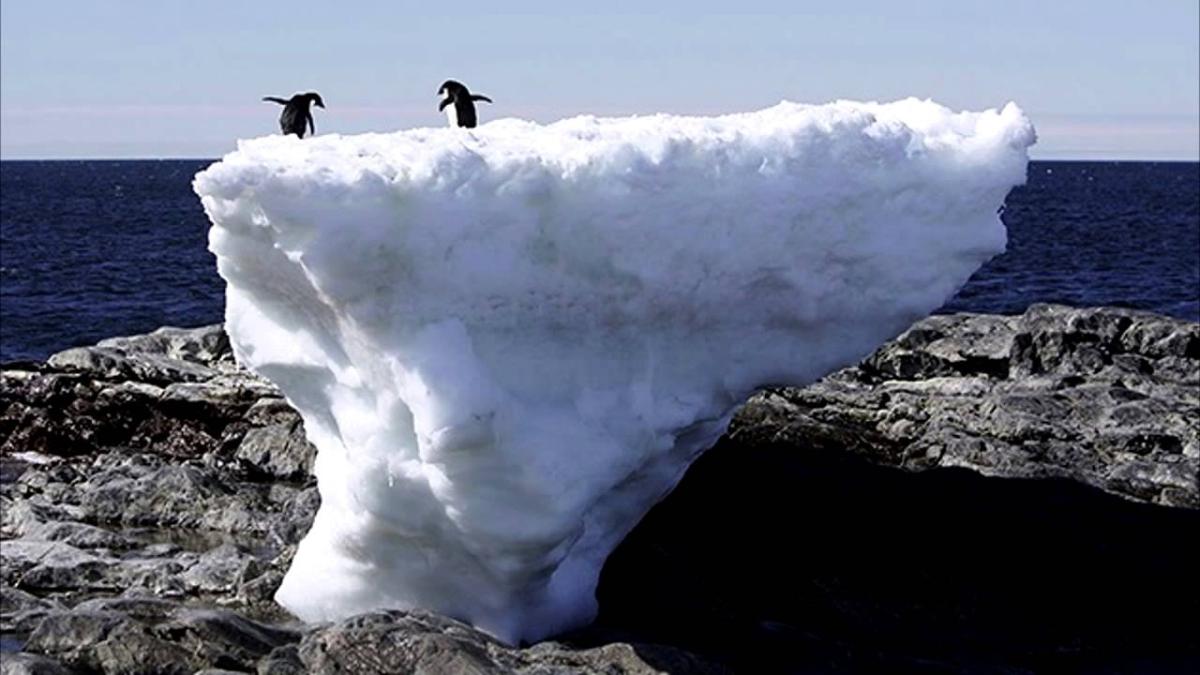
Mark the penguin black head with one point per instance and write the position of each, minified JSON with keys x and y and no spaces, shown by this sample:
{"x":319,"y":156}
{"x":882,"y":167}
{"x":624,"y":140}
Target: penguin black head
{"x":315,"y":99}
{"x":453,"y":89}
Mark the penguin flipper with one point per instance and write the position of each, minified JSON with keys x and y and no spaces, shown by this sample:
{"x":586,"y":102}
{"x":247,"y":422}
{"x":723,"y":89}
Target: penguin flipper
{"x":445,"y":103}
{"x":312,"y":126}
{"x":275,"y":99}
{"x":480,"y":97}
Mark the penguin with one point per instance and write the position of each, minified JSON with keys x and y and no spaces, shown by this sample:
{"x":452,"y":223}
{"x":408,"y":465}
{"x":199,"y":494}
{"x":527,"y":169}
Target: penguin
{"x":296,"y":112}
{"x":459,"y":104}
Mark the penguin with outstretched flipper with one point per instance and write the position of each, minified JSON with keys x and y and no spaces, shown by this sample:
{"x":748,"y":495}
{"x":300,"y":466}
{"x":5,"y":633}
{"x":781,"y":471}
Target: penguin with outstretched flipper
{"x":459,"y":104}
{"x":297,"y":112}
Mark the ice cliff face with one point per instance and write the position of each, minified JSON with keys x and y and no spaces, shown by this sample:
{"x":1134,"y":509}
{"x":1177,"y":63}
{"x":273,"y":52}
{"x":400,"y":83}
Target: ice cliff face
{"x":509,"y":343}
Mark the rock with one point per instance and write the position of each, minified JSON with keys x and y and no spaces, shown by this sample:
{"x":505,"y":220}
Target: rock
{"x":278,"y":451}
{"x":228,"y":639}
{"x":206,"y":345}
{"x":297,"y":509}
{"x":113,"y":364}
{"x":78,"y":535}
{"x":151,"y":635}
{"x":145,"y":492}
{"x":260,"y":589}
{"x":398,"y":642}
{"x":21,"y":611}
{"x":272,"y":410}
{"x":165,"y":356}
{"x":283,"y":660}
{"x":65,"y":634}
{"x":221,"y":570}
{"x":44,"y":567}
{"x":388,"y":642}
{"x":52,"y":566}
{"x":147,"y":609}
{"x":1074,"y":393}
{"x":31,"y":664}
{"x":176,"y":391}
{"x":175,"y":640}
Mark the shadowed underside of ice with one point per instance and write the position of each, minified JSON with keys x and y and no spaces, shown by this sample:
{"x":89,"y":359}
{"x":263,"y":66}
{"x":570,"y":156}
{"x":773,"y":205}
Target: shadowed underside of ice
{"x":509,"y":343}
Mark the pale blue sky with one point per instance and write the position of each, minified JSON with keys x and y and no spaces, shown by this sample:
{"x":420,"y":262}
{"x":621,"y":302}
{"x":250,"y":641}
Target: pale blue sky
{"x":167,"y":78}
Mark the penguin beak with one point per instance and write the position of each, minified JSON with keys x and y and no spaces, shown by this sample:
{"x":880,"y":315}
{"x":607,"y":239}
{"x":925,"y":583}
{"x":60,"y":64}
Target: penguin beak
{"x":320,"y":104}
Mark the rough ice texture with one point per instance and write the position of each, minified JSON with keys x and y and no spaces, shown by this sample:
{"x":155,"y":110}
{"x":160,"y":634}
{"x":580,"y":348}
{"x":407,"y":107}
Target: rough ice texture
{"x":509,"y":343}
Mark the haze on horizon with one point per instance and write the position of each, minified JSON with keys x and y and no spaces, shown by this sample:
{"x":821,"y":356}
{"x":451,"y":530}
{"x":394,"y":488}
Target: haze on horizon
{"x":1100,"y":80}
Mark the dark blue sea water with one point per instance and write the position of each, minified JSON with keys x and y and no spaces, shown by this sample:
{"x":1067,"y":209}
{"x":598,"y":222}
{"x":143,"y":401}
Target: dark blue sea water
{"x":92,"y":249}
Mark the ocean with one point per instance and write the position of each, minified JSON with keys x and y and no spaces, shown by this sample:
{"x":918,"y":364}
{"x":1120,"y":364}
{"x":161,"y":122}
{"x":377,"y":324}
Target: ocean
{"x":93,"y":249}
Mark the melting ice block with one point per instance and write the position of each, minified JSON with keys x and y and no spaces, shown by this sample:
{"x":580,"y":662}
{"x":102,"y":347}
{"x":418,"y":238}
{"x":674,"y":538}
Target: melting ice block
{"x":509,"y":343}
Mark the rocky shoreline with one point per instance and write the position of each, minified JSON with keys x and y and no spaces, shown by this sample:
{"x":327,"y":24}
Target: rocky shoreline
{"x":153,"y":494}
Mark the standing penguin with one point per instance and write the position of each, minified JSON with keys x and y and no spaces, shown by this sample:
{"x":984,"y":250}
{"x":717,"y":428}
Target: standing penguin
{"x":296,"y":112}
{"x":459,"y":104}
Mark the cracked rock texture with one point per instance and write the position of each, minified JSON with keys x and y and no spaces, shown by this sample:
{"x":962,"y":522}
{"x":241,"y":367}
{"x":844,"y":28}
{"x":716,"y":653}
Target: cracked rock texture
{"x":1105,"y":396}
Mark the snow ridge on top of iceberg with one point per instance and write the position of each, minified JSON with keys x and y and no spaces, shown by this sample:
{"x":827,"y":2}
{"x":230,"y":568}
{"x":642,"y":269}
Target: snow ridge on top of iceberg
{"x":508,"y":343}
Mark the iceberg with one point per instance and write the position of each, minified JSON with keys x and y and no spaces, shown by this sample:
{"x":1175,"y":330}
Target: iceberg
{"x":508,"y":343}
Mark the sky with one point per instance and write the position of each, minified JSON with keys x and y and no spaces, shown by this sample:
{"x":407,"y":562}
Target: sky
{"x":140,"y":78}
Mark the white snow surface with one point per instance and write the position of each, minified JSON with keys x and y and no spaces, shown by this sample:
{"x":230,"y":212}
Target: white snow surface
{"x":508,"y":343}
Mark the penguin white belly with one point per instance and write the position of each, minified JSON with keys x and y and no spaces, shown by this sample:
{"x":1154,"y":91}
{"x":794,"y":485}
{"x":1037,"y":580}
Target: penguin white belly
{"x":452,"y":115}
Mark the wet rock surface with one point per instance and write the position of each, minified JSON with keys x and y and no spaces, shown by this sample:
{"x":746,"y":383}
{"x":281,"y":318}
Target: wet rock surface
{"x":983,"y":494}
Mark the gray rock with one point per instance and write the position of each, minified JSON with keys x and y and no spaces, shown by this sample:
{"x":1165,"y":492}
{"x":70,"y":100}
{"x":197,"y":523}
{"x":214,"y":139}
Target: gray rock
{"x":1056,"y":392}
{"x":236,"y":390}
{"x":411,"y":642}
{"x":406,"y":642}
{"x":283,"y":660}
{"x":166,"y":355}
{"x":206,"y":345}
{"x":22,"y":663}
{"x":44,"y":567}
{"x":149,"y":609}
{"x":176,"y":391}
{"x":113,"y":364}
{"x":64,"y":634}
{"x":297,"y":509}
{"x":172,"y":495}
{"x":271,"y":410}
{"x":223,"y":569}
{"x":227,"y":638}
{"x":20,"y":611}
{"x":278,"y":451}
{"x":260,"y":589}
{"x":162,"y":640}
{"x":52,"y":565}
{"x":78,"y":535}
